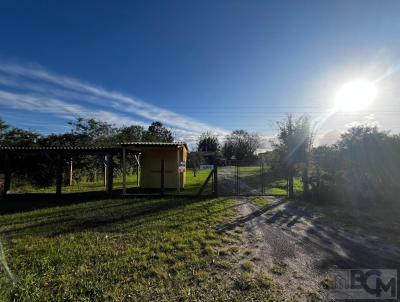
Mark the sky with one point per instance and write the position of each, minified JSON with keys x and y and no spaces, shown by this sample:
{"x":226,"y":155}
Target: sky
{"x":197,"y":65}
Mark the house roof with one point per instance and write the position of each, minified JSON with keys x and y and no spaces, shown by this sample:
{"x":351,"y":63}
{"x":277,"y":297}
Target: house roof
{"x":82,"y":150}
{"x":154,"y":144}
{"x":55,"y":148}
{"x":88,"y":149}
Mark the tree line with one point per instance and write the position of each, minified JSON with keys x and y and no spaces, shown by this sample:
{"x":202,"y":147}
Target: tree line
{"x":39,"y":170}
{"x":85,"y":132}
{"x":362,"y":166}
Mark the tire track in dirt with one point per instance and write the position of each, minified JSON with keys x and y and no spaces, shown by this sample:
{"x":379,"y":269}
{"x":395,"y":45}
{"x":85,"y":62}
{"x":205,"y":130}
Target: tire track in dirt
{"x":298,"y":251}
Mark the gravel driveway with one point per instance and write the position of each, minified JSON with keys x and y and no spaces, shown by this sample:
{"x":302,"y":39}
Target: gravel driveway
{"x":298,"y":249}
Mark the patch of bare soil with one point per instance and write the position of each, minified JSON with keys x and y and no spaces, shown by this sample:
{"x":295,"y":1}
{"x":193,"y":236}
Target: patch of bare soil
{"x":298,"y":250}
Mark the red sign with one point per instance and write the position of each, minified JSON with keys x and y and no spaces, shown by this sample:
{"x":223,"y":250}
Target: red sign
{"x":182,"y":167}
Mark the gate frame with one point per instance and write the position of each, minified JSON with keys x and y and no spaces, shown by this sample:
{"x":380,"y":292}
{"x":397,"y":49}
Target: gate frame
{"x":262,"y":188}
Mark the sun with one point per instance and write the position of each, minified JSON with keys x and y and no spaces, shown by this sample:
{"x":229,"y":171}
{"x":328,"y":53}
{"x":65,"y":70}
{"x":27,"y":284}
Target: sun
{"x":355,"y":95}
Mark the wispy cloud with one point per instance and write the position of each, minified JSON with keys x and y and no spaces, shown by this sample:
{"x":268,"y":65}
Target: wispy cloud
{"x":44,"y":91}
{"x":58,"y":108}
{"x":368,"y":121}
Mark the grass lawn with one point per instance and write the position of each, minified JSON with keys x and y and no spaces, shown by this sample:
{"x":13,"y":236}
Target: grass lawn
{"x":260,"y":201}
{"x":250,"y":178}
{"x":83,"y":186}
{"x":279,"y":187}
{"x":126,"y":250}
{"x":194,"y":183}
{"x":192,"y":186}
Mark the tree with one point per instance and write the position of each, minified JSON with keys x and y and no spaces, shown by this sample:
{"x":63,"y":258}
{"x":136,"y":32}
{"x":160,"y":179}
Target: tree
{"x":294,"y":144}
{"x":3,"y":130}
{"x":208,"y":142}
{"x":361,"y":168}
{"x":158,"y":133}
{"x":195,"y":159}
{"x":241,"y":144}
{"x":132,"y":133}
{"x":3,"y":126}
{"x":93,"y":132}
{"x":62,"y":140}
{"x":17,"y":137}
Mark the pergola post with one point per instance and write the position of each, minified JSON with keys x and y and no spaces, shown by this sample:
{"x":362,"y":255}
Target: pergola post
{"x":71,"y":171}
{"x":7,"y":173}
{"x":105,"y":171}
{"x":58,"y":175}
{"x":137,"y":157}
{"x":110,"y":173}
{"x":178,"y":186}
{"x":123,"y":170}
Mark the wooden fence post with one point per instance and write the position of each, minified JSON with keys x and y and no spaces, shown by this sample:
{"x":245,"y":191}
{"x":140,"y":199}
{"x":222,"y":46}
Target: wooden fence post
{"x":123,"y":170}
{"x":7,"y":173}
{"x":58,"y":175}
{"x":110,"y":174}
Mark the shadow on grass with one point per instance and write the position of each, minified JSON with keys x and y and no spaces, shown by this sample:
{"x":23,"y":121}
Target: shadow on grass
{"x":246,"y":218}
{"x":120,"y":215}
{"x":17,"y":203}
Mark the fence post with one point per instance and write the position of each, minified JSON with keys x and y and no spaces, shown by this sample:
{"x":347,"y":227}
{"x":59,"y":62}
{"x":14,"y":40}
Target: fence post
{"x":261,"y":178}
{"x":238,"y":183}
{"x":236,"y":179}
{"x":162,"y":170}
{"x":7,"y":173}
{"x":123,"y":170}
{"x":110,"y":174}
{"x":59,"y":177}
{"x":215,"y":180}
{"x":318,"y":184}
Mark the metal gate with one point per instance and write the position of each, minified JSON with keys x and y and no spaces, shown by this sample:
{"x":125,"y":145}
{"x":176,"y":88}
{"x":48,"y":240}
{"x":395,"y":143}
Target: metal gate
{"x":249,"y":178}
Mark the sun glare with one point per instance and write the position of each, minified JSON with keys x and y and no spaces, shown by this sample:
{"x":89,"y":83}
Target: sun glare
{"x":355,"y":95}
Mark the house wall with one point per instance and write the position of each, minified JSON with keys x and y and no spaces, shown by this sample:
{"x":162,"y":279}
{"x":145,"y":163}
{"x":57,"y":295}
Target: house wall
{"x":183,"y":157}
{"x":150,"y":177}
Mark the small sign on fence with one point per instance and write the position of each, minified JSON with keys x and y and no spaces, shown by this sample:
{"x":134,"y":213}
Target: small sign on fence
{"x":182,"y":167}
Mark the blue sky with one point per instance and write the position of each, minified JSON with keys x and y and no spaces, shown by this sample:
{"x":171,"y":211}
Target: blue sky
{"x":195,"y":65}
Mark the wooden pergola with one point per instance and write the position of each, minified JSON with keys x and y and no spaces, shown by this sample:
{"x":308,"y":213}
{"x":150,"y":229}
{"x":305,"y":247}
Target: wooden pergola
{"x":58,"y":154}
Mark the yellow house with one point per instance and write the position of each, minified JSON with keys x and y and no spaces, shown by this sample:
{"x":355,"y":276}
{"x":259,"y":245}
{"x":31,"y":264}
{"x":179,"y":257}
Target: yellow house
{"x":150,"y":155}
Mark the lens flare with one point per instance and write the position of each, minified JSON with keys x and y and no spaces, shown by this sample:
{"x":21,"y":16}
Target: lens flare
{"x":355,"y":95}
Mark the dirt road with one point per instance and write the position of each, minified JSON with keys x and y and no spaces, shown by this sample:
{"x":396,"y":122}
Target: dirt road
{"x":298,"y":250}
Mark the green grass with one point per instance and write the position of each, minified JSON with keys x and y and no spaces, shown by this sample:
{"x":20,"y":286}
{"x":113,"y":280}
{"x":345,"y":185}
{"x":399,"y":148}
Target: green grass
{"x":279,"y":187}
{"x":260,"y":201}
{"x":279,"y":268}
{"x":251,"y":178}
{"x":192,"y":185}
{"x":247,"y":266}
{"x":276,"y":191}
{"x":125,"y":250}
{"x":83,"y":186}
